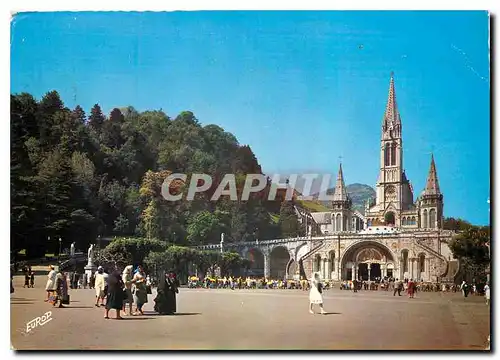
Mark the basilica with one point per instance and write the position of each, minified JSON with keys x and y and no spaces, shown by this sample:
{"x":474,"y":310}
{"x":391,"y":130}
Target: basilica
{"x":397,"y":235}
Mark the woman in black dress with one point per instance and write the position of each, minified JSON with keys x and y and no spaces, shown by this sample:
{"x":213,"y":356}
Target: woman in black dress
{"x":165,"y":301}
{"x":115,"y":294}
{"x":173,"y":290}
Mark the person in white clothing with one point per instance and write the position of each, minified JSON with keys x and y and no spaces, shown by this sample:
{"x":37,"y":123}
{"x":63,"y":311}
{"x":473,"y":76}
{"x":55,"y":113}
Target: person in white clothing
{"x":315,"y":296}
{"x":487,"y":293}
{"x":51,"y":282}
{"x":99,"y":286}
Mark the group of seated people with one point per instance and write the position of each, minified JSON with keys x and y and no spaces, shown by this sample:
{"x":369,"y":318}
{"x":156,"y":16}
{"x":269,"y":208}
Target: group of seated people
{"x":387,"y":284}
{"x":229,"y":282}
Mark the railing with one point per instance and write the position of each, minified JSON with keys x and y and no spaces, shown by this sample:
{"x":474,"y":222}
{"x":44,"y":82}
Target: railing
{"x":255,"y":243}
{"x":435,"y":253}
{"x":314,"y":249}
{"x":77,"y":258}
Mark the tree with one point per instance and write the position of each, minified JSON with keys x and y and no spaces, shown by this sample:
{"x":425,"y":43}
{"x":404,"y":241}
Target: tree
{"x":96,"y":119}
{"x":206,"y":260}
{"x":131,"y":250}
{"x":179,"y":256}
{"x":206,"y":227}
{"x":456,"y":224}
{"x":77,"y":177}
{"x":288,"y":221}
{"x":230,"y":262}
{"x":471,"y":247}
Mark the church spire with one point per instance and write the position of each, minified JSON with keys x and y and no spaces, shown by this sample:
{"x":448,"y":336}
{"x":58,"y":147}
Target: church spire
{"x":340,"y":193}
{"x":432,"y":185}
{"x":391,"y":115}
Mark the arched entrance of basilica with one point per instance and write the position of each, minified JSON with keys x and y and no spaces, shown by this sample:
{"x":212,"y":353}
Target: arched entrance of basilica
{"x":280,"y":259}
{"x":390,"y":219}
{"x":367,"y":260}
{"x":256,"y":262}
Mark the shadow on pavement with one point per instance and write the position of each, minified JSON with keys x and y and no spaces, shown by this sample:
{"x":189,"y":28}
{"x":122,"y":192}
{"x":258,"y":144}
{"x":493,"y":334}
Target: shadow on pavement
{"x":76,"y":307}
{"x":186,"y":314}
{"x":20,"y":299}
{"x":22,"y":303}
{"x":152,"y":313}
{"x":333,"y":313}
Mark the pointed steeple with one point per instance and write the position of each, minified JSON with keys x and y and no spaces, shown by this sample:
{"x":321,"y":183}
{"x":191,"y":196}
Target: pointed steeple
{"x":391,"y":115}
{"x":432,"y":185}
{"x":340,"y":193}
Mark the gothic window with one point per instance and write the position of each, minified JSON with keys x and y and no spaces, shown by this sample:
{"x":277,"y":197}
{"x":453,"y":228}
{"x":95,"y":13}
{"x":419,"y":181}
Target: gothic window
{"x":332,"y":259}
{"x":432,"y":218}
{"x":413,"y":220}
{"x":390,"y":218}
{"x":390,"y":193}
{"x":317,"y":263}
{"x":424,"y":219}
{"x":387,"y":154}
{"x":338,"y":223}
{"x":369,"y":222}
{"x":393,"y":154}
{"x":403,"y":222}
{"x":404,"y":255}
{"x":421,"y":262}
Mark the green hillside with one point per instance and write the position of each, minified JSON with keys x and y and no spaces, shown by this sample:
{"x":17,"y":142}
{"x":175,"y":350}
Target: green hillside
{"x":313,"y":205}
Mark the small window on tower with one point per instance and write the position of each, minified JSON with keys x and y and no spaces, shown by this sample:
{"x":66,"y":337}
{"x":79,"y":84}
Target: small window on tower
{"x":393,"y":154}
{"x":387,"y":153}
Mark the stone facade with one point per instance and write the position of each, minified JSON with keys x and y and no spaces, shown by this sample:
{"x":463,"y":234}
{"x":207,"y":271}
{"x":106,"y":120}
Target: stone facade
{"x":418,"y":254}
{"x":395,"y":237}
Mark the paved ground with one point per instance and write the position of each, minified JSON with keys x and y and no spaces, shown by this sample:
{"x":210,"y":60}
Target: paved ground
{"x":258,"y":319}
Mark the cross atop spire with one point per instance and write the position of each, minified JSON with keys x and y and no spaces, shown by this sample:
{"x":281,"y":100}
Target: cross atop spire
{"x":432,"y":185}
{"x":391,"y":115}
{"x":340,"y":193}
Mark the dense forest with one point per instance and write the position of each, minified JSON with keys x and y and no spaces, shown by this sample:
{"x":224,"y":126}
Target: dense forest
{"x":77,"y":176}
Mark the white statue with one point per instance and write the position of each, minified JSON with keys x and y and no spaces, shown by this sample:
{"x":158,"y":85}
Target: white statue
{"x":90,"y":253}
{"x":221,"y":242}
{"x":72,"y":249}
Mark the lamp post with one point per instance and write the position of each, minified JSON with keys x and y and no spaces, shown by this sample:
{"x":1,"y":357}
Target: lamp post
{"x":489,"y":249}
{"x":59,"y":254}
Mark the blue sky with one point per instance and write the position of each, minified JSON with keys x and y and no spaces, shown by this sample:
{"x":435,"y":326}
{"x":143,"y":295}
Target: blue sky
{"x":301,"y":88}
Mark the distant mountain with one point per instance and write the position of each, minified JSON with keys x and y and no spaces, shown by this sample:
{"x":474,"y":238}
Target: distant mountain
{"x":358,"y":193}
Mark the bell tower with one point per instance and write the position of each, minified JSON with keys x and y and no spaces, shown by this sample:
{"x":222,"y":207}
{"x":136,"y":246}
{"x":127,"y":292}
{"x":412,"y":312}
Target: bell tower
{"x":431,"y":201}
{"x":393,"y":189}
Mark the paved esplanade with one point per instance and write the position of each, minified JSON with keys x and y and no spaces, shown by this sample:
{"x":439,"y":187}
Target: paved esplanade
{"x":258,"y":319}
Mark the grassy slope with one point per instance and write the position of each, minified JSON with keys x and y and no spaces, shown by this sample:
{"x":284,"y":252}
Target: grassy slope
{"x":313,"y":206}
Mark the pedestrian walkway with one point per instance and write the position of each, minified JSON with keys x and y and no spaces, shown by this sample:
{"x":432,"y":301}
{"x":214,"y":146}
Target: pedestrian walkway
{"x":258,"y":319}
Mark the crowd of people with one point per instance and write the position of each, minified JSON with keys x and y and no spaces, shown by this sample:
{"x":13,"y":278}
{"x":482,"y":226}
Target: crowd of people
{"x":119,"y":291}
{"x":230,"y":282}
{"x":394,"y":285}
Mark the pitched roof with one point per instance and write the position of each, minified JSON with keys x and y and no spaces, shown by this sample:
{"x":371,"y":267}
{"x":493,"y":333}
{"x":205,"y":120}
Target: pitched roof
{"x":340,"y":193}
{"x":391,"y":114}
{"x":322,"y":217}
{"x":432,"y":184}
